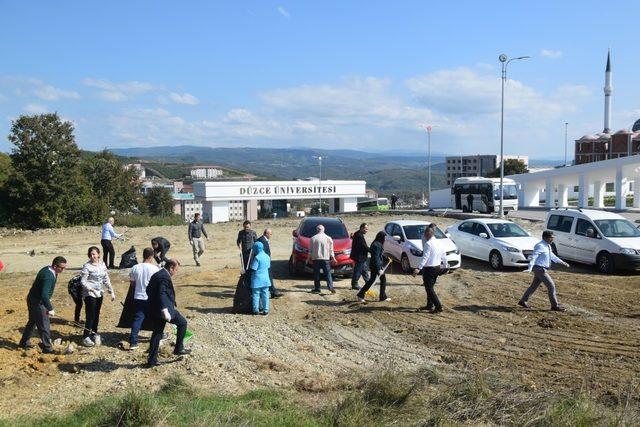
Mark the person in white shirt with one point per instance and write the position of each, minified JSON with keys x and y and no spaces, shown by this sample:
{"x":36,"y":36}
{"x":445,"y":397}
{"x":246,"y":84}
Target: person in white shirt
{"x":432,"y":264}
{"x":540,"y":262}
{"x":94,"y":276}
{"x":321,"y":254}
{"x":108,"y":233}
{"x":139,"y":277}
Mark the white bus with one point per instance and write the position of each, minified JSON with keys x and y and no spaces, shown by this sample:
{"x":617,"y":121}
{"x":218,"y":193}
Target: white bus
{"x":483,"y":194}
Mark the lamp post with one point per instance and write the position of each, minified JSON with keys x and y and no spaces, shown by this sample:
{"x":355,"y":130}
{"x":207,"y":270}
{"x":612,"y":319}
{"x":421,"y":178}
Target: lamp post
{"x":505,"y":62}
{"x":566,"y":126}
{"x":319,"y":185}
{"x":428,"y":129}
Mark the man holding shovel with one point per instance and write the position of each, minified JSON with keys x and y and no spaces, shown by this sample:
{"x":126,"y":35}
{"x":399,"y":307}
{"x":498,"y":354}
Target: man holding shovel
{"x":378,"y":267}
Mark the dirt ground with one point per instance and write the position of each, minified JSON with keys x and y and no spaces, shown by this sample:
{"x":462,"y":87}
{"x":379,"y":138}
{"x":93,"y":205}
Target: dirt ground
{"x":312,"y":342}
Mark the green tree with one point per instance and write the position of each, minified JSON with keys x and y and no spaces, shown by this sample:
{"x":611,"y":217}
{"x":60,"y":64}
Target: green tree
{"x":159,"y":201}
{"x":5,"y":170}
{"x":511,"y":167}
{"x":114,"y":186}
{"x":46,"y":187}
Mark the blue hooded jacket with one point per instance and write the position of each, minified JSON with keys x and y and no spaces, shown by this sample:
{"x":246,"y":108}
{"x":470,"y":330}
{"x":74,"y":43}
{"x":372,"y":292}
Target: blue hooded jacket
{"x":260,"y":266}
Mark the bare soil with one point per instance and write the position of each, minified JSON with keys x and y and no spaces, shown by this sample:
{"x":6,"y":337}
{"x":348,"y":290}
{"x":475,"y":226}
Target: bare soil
{"x":313,"y":343}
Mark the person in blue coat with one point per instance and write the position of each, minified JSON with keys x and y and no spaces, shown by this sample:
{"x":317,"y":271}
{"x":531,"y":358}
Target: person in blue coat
{"x":260,"y":280}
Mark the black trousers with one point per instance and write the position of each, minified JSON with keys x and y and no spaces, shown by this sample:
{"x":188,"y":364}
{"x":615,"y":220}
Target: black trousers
{"x":272,"y":288}
{"x":92,"y":308}
{"x":367,"y":286}
{"x":429,"y":277}
{"x":39,"y":319}
{"x":78,"y":309}
{"x":108,"y":252}
{"x":158,"y":329}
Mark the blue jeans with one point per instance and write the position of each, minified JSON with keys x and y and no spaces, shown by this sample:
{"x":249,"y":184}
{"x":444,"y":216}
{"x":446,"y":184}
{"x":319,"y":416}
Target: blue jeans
{"x":260,"y":297}
{"x":140,"y":307}
{"x":360,"y":268}
{"x":324,"y":265}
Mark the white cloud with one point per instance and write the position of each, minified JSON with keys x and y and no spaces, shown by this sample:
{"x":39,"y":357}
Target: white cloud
{"x":185,"y":98}
{"x":284,"y":12}
{"x":50,"y":93}
{"x":35,"y":109}
{"x":549,"y":53}
{"x":118,"y":92}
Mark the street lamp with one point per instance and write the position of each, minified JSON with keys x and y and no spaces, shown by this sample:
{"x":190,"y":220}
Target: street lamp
{"x":428,"y":129}
{"x":566,"y":126}
{"x":319,"y":184}
{"x":505,"y":62}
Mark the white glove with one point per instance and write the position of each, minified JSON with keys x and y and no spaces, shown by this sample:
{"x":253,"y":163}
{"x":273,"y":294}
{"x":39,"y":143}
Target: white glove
{"x":113,"y":296}
{"x":166,"y":315}
{"x":51,"y":313}
{"x":381,"y":272}
{"x":566,"y":264}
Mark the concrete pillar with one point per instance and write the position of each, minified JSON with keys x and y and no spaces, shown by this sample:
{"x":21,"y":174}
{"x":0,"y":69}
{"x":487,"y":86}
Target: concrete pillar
{"x":583,"y":191}
{"x":531,"y":193}
{"x":598,"y":194}
{"x":563,"y":195}
{"x":620,"y":199}
{"x":549,"y":194}
{"x":636,"y":189}
{"x":349,"y":204}
{"x":332,"y":205}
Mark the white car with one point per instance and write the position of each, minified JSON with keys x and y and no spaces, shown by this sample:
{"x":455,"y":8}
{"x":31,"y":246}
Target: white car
{"x":501,"y":242}
{"x":605,"y":239}
{"x":404,"y":244}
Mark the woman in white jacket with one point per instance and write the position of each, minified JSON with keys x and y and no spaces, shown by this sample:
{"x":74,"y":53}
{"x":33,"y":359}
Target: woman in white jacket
{"x":94,"y":277}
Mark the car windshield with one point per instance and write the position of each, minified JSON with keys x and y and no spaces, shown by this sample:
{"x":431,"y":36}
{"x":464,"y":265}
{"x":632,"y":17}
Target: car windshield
{"x":507,"y":229}
{"x":510,"y":192}
{"x":617,"y":228}
{"x":335,"y":229}
{"x":415,"y":232}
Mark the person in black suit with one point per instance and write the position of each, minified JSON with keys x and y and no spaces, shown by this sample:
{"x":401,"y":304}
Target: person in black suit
{"x":160,"y":247}
{"x":264,"y":239}
{"x":359,"y":255}
{"x":161,"y":308}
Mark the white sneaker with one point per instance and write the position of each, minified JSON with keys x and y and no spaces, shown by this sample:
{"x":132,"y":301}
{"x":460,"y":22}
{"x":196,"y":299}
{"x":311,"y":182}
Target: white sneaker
{"x":386,"y":299}
{"x":361,"y":299}
{"x":87,"y":342}
{"x":133,"y":347}
{"x":97,"y":340}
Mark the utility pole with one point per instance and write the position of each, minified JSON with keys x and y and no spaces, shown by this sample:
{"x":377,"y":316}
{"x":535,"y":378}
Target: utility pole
{"x":566,"y":126}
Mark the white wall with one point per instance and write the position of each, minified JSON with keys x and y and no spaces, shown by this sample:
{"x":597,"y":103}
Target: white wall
{"x":349,"y":204}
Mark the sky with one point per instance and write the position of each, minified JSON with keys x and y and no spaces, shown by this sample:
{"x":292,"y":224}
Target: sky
{"x":363,"y":75}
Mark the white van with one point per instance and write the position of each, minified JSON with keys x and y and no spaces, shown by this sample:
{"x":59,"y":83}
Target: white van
{"x":605,"y":239}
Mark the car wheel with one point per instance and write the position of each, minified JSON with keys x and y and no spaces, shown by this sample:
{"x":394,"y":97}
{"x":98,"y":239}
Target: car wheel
{"x":406,"y":265}
{"x":604,"y":263}
{"x":495,"y":259}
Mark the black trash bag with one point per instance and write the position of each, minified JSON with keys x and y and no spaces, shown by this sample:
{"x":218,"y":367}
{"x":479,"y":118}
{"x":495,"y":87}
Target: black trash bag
{"x":128,"y":258}
{"x":75,"y":287}
{"x":242,"y":297}
{"x":129,"y":310}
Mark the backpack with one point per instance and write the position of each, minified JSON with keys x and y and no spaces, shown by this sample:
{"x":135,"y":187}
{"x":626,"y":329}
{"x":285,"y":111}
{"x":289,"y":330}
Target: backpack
{"x":75,"y":287}
{"x":128,"y":259}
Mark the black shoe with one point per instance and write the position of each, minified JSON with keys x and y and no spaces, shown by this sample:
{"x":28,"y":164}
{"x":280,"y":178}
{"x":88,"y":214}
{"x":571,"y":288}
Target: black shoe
{"x":436,"y":310}
{"x":558,"y":308}
{"x":355,"y":288}
{"x":425,"y":308}
{"x":182,"y":352}
{"x":333,"y":291}
{"x":149,"y":365}
{"x":523,"y":304}
{"x":47,"y":350}
{"x":276,"y":295}
{"x":26,"y":345}
{"x":315,"y":291}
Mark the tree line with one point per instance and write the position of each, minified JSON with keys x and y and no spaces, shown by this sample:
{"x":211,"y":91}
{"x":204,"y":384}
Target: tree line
{"x":46,"y":181}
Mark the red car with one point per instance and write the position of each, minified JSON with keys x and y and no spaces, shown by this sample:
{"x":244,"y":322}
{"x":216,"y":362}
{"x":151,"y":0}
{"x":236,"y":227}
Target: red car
{"x":335,"y":228}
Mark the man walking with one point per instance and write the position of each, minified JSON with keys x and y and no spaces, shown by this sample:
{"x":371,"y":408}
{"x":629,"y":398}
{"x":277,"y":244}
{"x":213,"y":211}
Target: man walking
{"x":394,"y":200}
{"x":321,"y":254}
{"x":540,"y":263}
{"x":433,"y":261}
{"x":246,"y":238}
{"x":108,"y":233}
{"x":162,"y":309}
{"x":264,"y":239}
{"x":196,"y":230}
{"x":139,"y":277}
{"x":39,"y":304}
{"x":359,"y":255}
{"x":160,"y":247}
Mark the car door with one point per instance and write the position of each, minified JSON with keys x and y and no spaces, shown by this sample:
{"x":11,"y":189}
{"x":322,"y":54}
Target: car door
{"x":481,"y":245}
{"x":464,"y":237}
{"x":389,"y":243}
{"x":586,"y":241}
{"x":395,"y":248}
{"x":562,"y":226}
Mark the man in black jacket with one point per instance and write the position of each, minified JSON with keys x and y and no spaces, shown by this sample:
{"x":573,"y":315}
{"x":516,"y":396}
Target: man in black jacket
{"x":160,"y":247}
{"x":264,"y":239}
{"x":359,"y":254}
{"x":161,"y":309}
{"x":246,"y":238}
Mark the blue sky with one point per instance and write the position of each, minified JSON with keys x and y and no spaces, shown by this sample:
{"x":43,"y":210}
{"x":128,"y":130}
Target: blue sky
{"x":330,"y":74}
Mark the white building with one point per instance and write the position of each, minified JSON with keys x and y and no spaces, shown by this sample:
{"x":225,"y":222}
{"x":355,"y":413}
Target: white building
{"x":227,"y":200}
{"x":206,"y":172}
{"x":186,"y":205}
{"x":140,"y":169}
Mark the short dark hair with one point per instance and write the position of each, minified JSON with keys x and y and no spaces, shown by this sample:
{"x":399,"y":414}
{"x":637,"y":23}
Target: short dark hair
{"x":147,"y":253}
{"x":58,"y":260}
{"x":547,"y":233}
{"x":363,"y":225}
{"x":247,"y":222}
{"x":196,"y":214}
{"x":170,"y":263}
{"x":91,"y":249}
{"x":432,"y":225}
